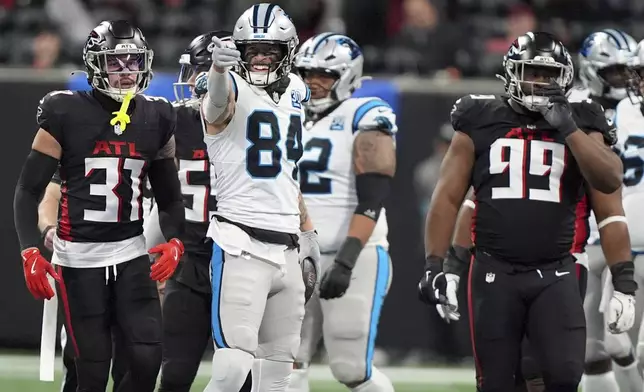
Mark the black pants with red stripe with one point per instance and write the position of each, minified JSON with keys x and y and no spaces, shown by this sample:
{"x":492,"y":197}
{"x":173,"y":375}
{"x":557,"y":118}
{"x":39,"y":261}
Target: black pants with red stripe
{"x":119,"y":364}
{"x":507,"y":302}
{"x":98,"y":300}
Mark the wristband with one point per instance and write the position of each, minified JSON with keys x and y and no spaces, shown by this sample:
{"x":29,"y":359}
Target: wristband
{"x":432,"y":262}
{"x":349,"y":252}
{"x":457,"y":259}
{"x":46,"y":230}
{"x":624,"y":277}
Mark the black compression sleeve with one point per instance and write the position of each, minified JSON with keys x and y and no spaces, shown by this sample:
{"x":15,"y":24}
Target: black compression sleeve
{"x":167,"y":193}
{"x":34,"y":177}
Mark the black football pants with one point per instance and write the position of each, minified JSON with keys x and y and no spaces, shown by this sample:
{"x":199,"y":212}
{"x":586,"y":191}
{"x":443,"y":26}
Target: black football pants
{"x":506,"y":303}
{"x":97,"y":301}
{"x":186,"y":333}
{"x":119,"y":364}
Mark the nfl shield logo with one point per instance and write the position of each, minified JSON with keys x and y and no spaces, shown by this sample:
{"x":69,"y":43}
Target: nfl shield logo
{"x":117,"y":129}
{"x":489,"y":277}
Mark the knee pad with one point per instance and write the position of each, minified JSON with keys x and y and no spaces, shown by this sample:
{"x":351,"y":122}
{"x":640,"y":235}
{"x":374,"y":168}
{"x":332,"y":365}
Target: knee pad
{"x":377,"y":383}
{"x":600,"y":366}
{"x":299,"y":379}
{"x":230,"y":368}
{"x":243,"y":338}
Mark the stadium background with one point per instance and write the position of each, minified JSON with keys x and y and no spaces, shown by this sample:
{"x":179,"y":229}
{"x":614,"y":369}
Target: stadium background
{"x":423,"y":55}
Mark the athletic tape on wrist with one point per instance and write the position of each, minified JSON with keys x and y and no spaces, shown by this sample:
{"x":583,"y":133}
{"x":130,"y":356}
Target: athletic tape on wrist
{"x":612,"y":219}
{"x":469,"y":203}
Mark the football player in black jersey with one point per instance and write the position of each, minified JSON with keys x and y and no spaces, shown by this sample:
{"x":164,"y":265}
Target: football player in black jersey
{"x":188,"y":294}
{"x":106,"y":141}
{"x":528,"y":156}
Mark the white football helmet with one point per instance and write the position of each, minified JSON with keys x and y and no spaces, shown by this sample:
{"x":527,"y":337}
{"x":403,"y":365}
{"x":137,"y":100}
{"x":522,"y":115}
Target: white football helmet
{"x":605,"y":55}
{"x":336,"y":55}
{"x":265,"y":24}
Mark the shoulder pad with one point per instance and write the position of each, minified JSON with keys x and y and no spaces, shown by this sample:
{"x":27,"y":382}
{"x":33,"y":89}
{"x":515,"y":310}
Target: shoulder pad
{"x":374,"y":114}
{"x":466,"y":110}
{"x":50,"y":108}
{"x":590,"y":117}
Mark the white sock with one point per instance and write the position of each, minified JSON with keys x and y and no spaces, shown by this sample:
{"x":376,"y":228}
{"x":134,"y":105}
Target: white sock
{"x":632,"y":376}
{"x":299,"y":380}
{"x":599,"y":383}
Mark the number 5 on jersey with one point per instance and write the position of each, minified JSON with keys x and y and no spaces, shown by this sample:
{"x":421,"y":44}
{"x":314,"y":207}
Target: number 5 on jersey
{"x":522,"y":158}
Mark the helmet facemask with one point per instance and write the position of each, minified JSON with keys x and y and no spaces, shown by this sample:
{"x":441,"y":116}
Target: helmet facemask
{"x":184,"y":88}
{"x":322,"y":83}
{"x":117,"y":72}
{"x":616,"y":79}
{"x":524,"y":78}
{"x":264,"y":62}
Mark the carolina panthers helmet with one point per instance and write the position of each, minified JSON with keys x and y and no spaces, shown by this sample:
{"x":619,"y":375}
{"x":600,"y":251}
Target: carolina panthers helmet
{"x":121,"y":47}
{"x":531,"y":54}
{"x":195,"y":59}
{"x":604,"y":59}
{"x":265,"y":24}
{"x":336,"y":55}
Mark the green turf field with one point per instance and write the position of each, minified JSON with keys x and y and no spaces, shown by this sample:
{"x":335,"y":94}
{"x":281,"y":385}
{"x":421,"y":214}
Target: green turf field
{"x":19,"y":373}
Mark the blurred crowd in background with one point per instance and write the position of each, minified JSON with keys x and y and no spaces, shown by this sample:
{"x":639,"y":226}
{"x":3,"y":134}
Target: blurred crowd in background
{"x":441,"y":38}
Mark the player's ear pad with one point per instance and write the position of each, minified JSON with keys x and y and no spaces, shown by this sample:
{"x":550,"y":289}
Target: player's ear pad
{"x":309,"y":276}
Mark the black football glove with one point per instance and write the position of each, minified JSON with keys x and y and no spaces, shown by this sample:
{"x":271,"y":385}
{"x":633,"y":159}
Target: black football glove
{"x":558,"y":112}
{"x":432,"y":288}
{"x":335,"y":281}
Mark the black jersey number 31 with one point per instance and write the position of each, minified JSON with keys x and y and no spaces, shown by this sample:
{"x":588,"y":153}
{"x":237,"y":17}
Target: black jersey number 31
{"x":263,"y":157}
{"x":523,"y":158}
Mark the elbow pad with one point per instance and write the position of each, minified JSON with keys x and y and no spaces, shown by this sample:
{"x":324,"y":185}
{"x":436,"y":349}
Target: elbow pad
{"x":218,"y":91}
{"x":372,"y":190}
{"x":167,"y":191}
{"x":34,"y":177}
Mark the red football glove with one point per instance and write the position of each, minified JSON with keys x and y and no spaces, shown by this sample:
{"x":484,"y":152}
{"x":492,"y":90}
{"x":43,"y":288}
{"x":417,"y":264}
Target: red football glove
{"x":165,"y":265}
{"x":36,"y":269}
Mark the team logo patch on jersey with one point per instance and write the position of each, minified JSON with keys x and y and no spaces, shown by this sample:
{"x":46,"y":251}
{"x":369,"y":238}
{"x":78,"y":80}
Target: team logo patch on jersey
{"x":489,"y":277}
{"x":117,"y":129}
{"x":337,"y":123}
{"x":296,"y":99}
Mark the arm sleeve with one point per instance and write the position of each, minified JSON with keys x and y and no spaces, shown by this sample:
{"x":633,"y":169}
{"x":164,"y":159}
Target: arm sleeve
{"x":167,"y":192}
{"x":35,"y":175}
{"x":56,"y":177}
{"x":152,"y":229}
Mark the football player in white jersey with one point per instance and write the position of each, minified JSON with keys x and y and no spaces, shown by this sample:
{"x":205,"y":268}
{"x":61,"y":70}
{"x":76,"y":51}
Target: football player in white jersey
{"x":345,"y":175}
{"x":629,"y":118}
{"x":604,"y":61}
{"x":254,"y":116}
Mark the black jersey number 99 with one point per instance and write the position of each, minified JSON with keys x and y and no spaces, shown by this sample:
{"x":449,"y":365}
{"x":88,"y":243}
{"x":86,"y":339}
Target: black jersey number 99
{"x":268,"y":144}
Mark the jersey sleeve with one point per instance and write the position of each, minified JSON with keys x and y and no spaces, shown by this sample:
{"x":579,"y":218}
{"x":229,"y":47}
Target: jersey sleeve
{"x":591,"y":118}
{"x":374,"y":115}
{"x":464,"y":114}
{"x":50,"y":111}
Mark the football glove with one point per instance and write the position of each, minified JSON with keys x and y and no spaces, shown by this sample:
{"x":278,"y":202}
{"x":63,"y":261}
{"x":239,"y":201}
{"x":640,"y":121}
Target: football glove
{"x":224,"y":53}
{"x":621,"y":308}
{"x":36,"y":268}
{"x":432,"y":286}
{"x":166,"y":264}
{"x":309,"y":255}
{"x":337,"y":278}
{"x":557,"y":112}
{"x":621,"y":313}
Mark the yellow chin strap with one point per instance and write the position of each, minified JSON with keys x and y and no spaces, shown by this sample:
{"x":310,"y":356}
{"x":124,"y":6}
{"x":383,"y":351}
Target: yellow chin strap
{"x":121,"y":116}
